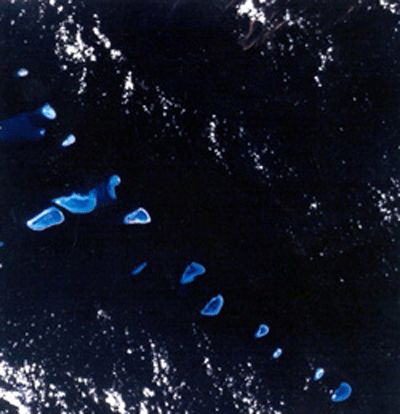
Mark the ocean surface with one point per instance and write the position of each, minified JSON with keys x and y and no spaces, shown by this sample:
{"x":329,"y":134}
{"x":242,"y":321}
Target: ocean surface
{"x":262,"y":139}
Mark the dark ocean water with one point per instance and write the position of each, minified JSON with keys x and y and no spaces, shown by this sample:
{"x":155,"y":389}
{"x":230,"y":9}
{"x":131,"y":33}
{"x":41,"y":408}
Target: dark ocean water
{"x":266,"y":151}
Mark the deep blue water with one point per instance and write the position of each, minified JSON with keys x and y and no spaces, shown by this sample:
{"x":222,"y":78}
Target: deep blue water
{"x":246,"y":165}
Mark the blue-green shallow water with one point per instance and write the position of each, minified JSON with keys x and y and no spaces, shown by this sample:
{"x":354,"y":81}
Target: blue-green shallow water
{"x":245,"y":165}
